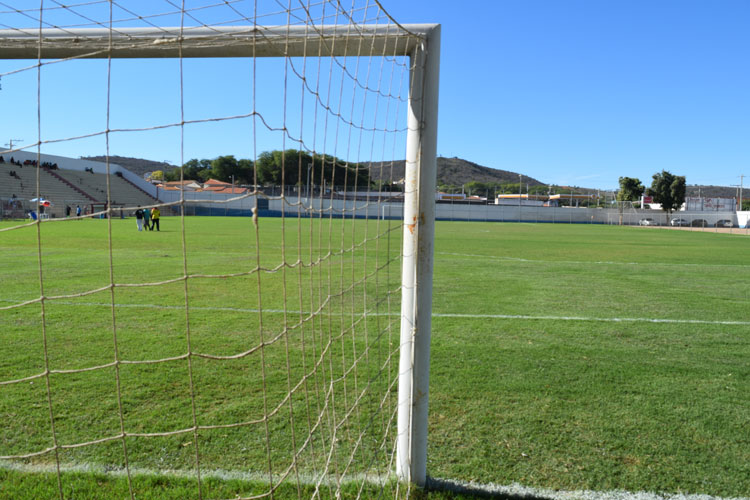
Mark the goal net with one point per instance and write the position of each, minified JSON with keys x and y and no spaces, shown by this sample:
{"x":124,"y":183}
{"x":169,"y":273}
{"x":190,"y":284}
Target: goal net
{"x":281,"y":351}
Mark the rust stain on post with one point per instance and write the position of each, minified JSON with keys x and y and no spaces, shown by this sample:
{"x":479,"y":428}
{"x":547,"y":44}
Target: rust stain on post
{"x":413,"y":225}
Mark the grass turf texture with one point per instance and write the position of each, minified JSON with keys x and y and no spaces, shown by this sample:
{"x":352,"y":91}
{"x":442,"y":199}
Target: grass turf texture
{"x":549,"y":403}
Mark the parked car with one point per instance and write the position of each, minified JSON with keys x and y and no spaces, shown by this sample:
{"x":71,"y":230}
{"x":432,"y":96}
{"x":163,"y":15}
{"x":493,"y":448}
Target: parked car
{"x":699,"y":223}
{"x":679,"y":222}
{"x":647,"y":222}
{"x":724,"y":223}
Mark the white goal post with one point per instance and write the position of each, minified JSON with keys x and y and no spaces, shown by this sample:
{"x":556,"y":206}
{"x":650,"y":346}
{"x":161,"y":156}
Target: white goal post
{"x":421,"y":43}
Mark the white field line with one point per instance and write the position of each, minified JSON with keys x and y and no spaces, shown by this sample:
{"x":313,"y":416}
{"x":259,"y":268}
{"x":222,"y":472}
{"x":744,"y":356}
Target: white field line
{"x":588,"y":263}
{"x":224,"y":475}
{"x":514,"y":490}
{"x":518,"y":491}
{"x":594,"y":319}
{"x":531,"y":317}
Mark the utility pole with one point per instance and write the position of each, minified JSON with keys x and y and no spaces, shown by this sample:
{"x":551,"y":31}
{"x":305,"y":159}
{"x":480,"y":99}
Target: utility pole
{"x":309,"y":194}
{"x":520,"y":183}
{"x":742,"y":177}
{"x":10,"y":144}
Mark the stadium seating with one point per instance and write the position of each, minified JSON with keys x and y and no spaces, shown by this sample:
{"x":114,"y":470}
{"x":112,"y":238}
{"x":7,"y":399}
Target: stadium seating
{"x":59,"y":187}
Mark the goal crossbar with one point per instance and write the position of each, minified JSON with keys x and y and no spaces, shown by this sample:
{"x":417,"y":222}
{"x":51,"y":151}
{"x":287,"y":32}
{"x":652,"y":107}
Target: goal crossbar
{"x":225,"y":41}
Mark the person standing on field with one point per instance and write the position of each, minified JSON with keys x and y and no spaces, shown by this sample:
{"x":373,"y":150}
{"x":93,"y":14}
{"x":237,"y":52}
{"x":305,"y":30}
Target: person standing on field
{"x":155,"y":215}
{"x":78,"y":210}
{"x":139,"y":218}
{"x":147,"y":219}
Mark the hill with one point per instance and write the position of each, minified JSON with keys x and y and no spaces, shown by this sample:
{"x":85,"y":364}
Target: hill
{"x":714,"y":191}
{"x":138,"y":166}
{"x":450,"y":172}
{"x":454,"y":172}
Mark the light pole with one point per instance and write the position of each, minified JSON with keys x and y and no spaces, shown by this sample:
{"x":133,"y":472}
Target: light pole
{"x":520,"y":183}
{"x":742,"y":177}
{"x":10,"y":144}
{"x":309,"y":167}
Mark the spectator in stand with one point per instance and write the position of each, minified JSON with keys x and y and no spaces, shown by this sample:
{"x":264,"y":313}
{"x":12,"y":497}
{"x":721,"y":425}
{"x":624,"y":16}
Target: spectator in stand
{"x":139,"y":218}
{"x":155,"y":214}
{"x":78,"y":210}
{"x":67,"y":210}
{"x":147,"y":219}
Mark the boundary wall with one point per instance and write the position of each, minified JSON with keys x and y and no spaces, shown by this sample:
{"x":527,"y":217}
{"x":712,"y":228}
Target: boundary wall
{"x":207,"y":203}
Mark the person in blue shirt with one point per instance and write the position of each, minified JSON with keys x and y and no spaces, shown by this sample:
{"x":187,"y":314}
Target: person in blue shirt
{"x":147,"y":218}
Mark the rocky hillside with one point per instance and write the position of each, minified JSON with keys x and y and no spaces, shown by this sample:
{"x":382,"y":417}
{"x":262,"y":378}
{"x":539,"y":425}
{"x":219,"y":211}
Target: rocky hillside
{"x":454,"y":171}
{"x":715,"y":191}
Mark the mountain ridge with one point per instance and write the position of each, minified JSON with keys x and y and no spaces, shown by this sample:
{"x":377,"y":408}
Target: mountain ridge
{"x":450,"y":172}
{"x":453,"y":172}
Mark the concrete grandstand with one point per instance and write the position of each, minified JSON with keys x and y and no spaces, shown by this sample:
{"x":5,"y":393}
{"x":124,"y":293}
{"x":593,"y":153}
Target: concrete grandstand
{"x":67,"y":182}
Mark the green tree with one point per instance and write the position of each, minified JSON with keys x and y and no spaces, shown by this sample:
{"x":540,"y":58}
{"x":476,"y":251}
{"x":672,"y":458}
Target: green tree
{"x":228,"y":168}
{"x":631,"y":189}
{"x":157,"y":175}
{"x":193,"y":170}
{"x":273,"y":166}
{"x":476,"y":188}
{"x":292,"y":166}
{"x":669,"y":190}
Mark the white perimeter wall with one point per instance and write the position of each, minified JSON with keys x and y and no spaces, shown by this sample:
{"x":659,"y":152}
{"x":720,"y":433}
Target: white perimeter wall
{"x":447,"y":211}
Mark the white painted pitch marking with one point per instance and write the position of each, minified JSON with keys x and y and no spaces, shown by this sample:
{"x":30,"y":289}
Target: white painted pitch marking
{"x":224,"y":475}
{"x":529,"y":317}
{"x":512,"y":490}
{"x":516,"y":490}
{"x":594,"y":319}
{"x":580,"y":262}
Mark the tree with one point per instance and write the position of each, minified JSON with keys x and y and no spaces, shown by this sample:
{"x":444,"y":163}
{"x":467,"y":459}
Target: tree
{"x":669,"y":190}
{"x":157,"y":175}
{"x":631,"y":189}
{"x":228,"y":168}
{"x":193,"y":170}
{"x":475,"y":188}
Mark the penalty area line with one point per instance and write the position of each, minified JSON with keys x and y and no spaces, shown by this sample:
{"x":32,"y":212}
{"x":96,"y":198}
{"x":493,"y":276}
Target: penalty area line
{"x":593,"y":319}
{"x":504,"y":258}
{"x":527,"y":317}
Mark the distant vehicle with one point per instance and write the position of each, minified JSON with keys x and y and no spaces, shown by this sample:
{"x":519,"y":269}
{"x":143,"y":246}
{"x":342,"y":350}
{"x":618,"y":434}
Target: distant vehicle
{"x":724,"y":223}
{"x":699,"y":223}
{"x":679,"y":222}
{"x":647,"y":222}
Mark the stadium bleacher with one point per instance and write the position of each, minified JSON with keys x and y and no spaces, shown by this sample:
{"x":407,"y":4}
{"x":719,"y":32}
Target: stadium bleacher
{"x":62,"y":187}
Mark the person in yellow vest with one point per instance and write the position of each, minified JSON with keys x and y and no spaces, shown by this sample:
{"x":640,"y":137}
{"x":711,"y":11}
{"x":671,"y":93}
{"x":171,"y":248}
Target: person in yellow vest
{"x":155,"y":215}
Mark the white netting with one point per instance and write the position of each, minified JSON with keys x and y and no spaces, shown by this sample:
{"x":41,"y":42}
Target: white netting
{"x":261,"y":347}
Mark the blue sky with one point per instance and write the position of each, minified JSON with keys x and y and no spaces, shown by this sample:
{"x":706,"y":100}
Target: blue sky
{"x":572,"y":92}
{"x":581,"y":92}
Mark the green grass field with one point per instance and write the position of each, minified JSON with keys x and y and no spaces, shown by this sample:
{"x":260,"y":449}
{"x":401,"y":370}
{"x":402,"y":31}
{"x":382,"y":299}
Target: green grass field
{"x":563,"y":357}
